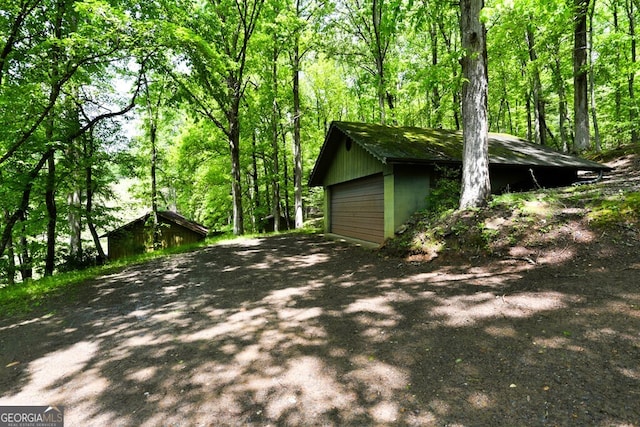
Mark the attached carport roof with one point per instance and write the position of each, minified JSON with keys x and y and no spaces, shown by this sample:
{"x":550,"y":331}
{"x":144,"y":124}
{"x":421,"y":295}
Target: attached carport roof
{"x":412,"y":145}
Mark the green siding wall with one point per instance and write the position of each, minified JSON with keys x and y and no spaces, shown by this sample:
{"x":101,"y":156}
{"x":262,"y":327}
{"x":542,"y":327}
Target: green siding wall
{"x":411,"y":188}
{"x":352,"y":164}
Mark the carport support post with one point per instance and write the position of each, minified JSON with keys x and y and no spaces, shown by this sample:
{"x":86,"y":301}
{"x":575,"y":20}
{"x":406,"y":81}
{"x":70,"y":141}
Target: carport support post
{"x":389,"y":204}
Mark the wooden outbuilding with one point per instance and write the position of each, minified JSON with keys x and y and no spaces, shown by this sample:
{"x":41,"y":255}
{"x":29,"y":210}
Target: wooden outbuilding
{"x":375,"y":177}
{"x":136,"y":237}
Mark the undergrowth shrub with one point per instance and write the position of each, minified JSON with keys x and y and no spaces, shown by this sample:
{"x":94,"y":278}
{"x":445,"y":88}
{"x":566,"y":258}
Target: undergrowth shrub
{"x":444,"y":195}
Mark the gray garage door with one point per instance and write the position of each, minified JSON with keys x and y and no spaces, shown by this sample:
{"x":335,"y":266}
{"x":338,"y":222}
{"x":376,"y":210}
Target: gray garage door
{"x":357,"y":209}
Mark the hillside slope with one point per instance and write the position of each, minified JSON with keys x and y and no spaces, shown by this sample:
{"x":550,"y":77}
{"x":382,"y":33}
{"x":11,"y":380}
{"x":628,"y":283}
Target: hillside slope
{"x":538,"y":227}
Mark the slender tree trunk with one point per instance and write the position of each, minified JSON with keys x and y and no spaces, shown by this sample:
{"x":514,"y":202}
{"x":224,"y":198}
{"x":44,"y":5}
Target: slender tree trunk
{"x":153,"y":112}
{"x":88,"y":152}
{"x":530,"y":130}
{"x":275,"y":176}
{"x":618,"y":91}
{"x":476,"y":186}
{"x":454,"y":70}
{"x":254,"y":180}
{"x":633,"y":108}
{"x":435,"y":91}
{"x":538,"y":102}
{"x":592,"y":84}
{"x":297,"y":146}
{"x":580,"y":80}
{"x":563,"y":112}
{"x":26,"y":266}
{"x":74,"y":202}
{"x":285,"y":179}
{"x":11,"y":259}
{"x":379,"y":56}
{"x":153,"y":132}
{"x":234,"y":150}
{"x":52,"y":212}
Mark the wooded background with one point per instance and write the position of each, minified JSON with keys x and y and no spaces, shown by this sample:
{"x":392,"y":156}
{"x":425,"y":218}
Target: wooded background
{"x":217,"y":108}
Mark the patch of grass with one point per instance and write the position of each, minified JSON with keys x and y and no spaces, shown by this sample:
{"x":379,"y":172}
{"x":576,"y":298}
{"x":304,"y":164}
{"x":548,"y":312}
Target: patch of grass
{"x":25,"y":297}
{"x":622,"y":208}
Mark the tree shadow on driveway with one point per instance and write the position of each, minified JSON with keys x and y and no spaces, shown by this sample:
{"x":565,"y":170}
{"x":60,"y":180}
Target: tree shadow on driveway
{"x":296,"y":330}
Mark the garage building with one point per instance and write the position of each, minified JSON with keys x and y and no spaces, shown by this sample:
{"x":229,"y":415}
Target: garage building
{"x":375,"y":177}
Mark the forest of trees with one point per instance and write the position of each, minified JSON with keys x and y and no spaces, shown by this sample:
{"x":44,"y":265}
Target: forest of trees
{"x":218,"y":108}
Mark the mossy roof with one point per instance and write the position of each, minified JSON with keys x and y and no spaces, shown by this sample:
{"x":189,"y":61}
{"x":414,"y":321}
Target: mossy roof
{"x":170,"y":216}
{"x":412,"y":145}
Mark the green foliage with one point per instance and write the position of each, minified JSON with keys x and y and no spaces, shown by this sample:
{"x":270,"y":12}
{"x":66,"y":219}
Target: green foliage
{"x":444,"y":195}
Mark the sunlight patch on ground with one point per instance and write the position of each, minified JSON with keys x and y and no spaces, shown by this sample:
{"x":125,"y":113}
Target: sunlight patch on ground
{"x":501,"y":331}
{"x":295,"y":316}
{"x":308,"y":388}
{"x":379,"y":382}
{"x":66,"y":363}
{"x":147,"y":339}
{"x":536,"y":207}
{"x":468,"y":309}
{"x":143,"y":374}
{"x":479,"y":276}
{"x":245,"y":321}
{"x":54,"y":374}
{"x":240,"y":242}
{"x":302,"y":261}
{"x":26,"y":322}
{"x":631,"y":373}
{"x":480,"y":400}
{"x":379,"y":305}
{"x":282,"y":297}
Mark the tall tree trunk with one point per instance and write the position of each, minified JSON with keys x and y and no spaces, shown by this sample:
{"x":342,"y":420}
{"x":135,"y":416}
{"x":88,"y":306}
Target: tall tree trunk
{"x":11,"y":259}
{"x":538,"y":102}
{"x":476,"y":186}
{"x":74,"y":218}
{"x":435,"y":91}
{"x":285,"y":179}
{"x":74,"y":202}
{"x":297,"y":147}
{"x":592,"y":83}
{"x":50,"y":197}
{"x":255,"y":194}
{"x":454,"y":70}
{"x":153,"y":132}
{"x":92,"y":228}
{"x":88,"y":152}
{"x":275,"y":176}
{"x":618,"y":91}
{"x":234,"y":151}
{"x":379,"y":56}
{"x":633,"y":108}
{"x":52,"y":213}
{"x":580,"y":80}
{"x":153,"y":116}
{"x":26,"y":266}
{"x":563,"y":112}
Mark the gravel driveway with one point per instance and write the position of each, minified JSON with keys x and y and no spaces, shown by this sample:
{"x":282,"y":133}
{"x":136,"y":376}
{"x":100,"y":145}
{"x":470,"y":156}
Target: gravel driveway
{"x":296,"y":330}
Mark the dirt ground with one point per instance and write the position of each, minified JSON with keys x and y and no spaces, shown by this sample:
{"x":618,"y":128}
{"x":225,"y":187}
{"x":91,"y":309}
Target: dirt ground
{"x":297,"y":330}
